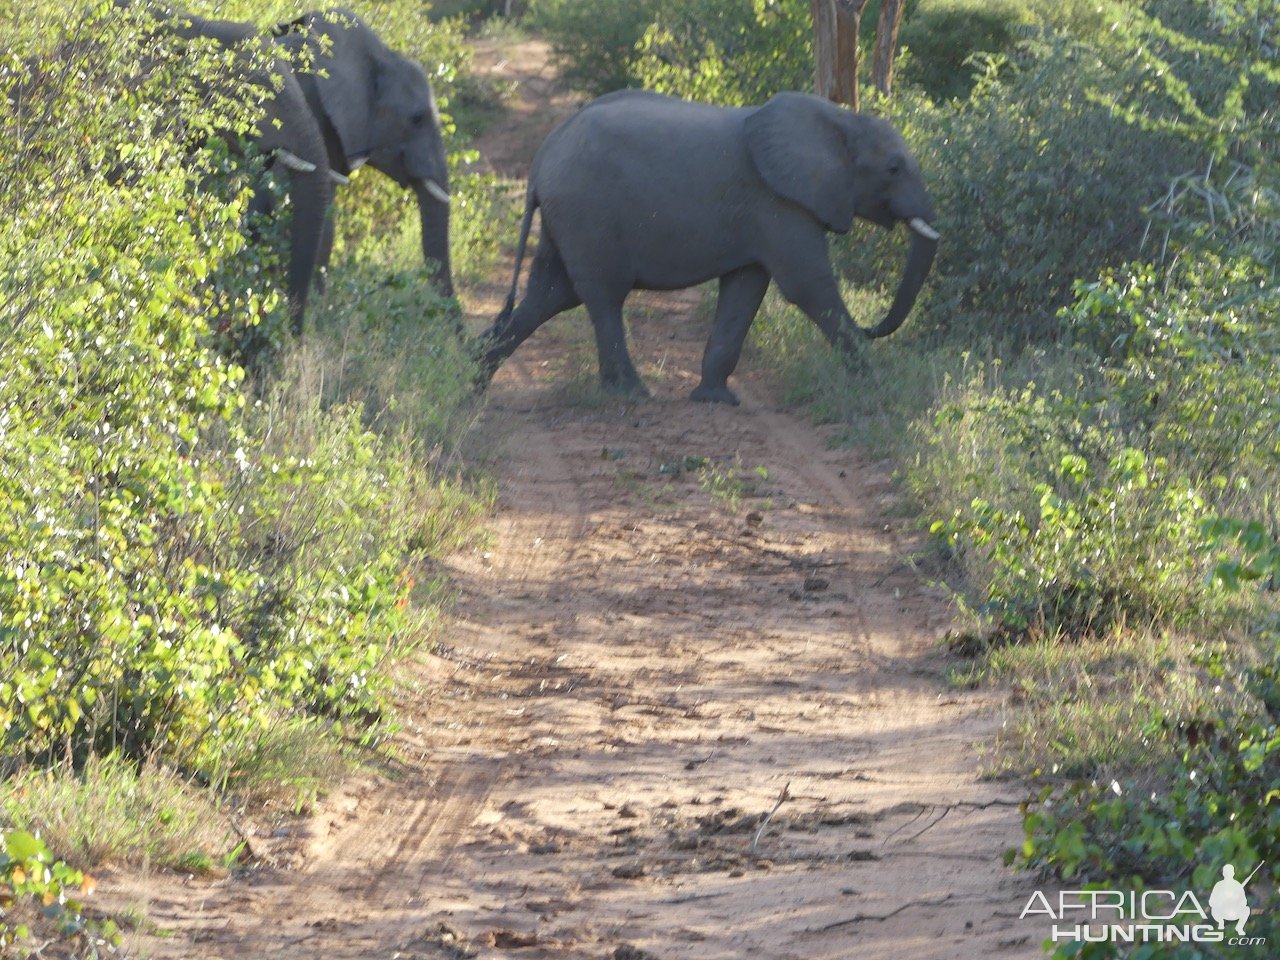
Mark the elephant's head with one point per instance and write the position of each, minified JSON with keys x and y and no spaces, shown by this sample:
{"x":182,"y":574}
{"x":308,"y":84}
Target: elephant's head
{"x":377,"y":107}
{"x":838,"y":165}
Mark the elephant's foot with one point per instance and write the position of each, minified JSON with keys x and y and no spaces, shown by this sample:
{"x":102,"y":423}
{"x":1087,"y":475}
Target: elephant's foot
{"x":622,"y":379}
{"x":705,"y":393}
{"x":632,"y":389}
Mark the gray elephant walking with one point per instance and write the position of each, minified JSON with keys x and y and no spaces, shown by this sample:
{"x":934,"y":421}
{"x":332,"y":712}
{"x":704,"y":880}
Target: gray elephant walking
{"x":375,"y":106}
{"x":643,"y":191}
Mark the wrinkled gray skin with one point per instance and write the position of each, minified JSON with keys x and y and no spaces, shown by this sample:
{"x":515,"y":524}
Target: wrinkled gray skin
{"x":375,"y":106}
{"x":289,"y":133}
{"x":645,"y":192}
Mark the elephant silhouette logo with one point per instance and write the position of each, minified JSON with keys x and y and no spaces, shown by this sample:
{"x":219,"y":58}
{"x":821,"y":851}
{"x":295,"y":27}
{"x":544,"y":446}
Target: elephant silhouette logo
{"x":1227,"y":902}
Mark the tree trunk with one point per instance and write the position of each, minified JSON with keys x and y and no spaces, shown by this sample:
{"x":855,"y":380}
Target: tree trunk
{"x":886,"y":44}
{"x":836,"y":54}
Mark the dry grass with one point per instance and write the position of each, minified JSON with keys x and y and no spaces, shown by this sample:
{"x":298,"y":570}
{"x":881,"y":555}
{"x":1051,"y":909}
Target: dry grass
{"x":111,"y":811}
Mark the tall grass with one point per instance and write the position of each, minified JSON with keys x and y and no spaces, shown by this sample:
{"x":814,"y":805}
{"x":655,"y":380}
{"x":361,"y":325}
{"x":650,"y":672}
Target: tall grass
{"x":110,"y":811}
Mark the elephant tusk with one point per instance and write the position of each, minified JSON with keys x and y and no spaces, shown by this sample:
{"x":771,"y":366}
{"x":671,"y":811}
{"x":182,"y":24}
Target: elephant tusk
{"x":339,"y":178}
{"x":435,"y":190}
{"x":922,"y":228}
{"x":295,"y":162}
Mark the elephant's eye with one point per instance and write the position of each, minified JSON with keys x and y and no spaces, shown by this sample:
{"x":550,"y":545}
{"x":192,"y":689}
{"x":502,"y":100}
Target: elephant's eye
{"x":896,"y":166}
{"x":418,"y":119}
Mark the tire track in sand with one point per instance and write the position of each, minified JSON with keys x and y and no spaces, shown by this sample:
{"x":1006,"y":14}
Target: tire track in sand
{"x":379,"y":847}
{"x":636,"y":671}
{"x":686,"y":672}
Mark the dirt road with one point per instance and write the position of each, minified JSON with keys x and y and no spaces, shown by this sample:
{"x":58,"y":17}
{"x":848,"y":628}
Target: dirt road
{"x":688,"y":617}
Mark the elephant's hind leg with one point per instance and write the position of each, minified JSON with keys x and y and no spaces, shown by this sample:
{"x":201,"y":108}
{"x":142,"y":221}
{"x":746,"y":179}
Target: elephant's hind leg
{"x":549,"y":292}
{"x":740,"y":294}
{"x":617,"y":372}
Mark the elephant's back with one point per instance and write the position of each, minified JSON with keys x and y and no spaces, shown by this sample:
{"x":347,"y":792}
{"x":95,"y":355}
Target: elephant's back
{"x":637,"y":141}
{"x":654,"y":186}
{"x":646,"y":106}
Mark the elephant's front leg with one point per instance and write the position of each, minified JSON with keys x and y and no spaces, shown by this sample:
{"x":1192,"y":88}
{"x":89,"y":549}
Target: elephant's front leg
{"x":740,"y":294}
{"x":616,"y":369}
{"x":325,"y":251}
{"x":815,"y":292}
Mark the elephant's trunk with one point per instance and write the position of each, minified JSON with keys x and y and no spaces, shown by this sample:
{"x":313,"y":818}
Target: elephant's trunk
{"x":434,"y":216}
{"x":924,"y":244}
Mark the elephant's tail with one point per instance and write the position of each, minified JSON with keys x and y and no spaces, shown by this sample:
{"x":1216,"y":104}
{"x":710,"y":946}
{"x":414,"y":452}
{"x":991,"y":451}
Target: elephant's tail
{"x":530,"y":205}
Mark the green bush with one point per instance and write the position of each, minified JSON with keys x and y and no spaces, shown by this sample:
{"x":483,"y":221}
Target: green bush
{"x":1213,"y":802}
{"x":719,"y":51}
{"x":734,"y":52}
{"x":107,"y":390}
{"x":722,"y":51}
{"x":1079,"y":503}
{"x":476,"y":10}
{"x":197,"y":570}
{"x":943,"y":37}
{"x":1070,"y":523}
{"x":1188,"y":357}
{"x":38,"y":891}
{"x":1146,"y":484}
{"x":744,"y":51}
{"x":1192,"y":352}
{"x":593,"y":40}
{"x":183,"y":564}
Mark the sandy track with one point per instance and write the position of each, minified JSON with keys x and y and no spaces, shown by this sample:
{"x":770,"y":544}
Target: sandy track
{"x":636,"y":671}
{"x":696,"y":676}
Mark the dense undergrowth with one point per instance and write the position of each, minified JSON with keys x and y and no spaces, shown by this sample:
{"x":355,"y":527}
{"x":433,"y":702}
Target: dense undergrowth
{"x":744,"y":51}
{"x":204,"y":573}
{"x":1084,"y":403}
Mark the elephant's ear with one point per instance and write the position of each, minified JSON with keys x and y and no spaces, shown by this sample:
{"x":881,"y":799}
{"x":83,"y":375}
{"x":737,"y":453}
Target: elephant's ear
{"x":346,"y":79}
{"x":799,"y":149}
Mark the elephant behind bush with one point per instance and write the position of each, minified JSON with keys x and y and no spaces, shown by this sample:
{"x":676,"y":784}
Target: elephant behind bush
{"x":375,"y":106}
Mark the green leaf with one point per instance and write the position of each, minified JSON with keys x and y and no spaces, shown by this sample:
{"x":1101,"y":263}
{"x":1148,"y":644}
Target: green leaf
{"x":23,"y":846}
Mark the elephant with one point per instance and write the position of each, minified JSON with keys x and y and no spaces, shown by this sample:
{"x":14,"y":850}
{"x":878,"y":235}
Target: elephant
{"x":644,"y":191}
{"x":291,"y":136}
{"x":375,"y":106}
